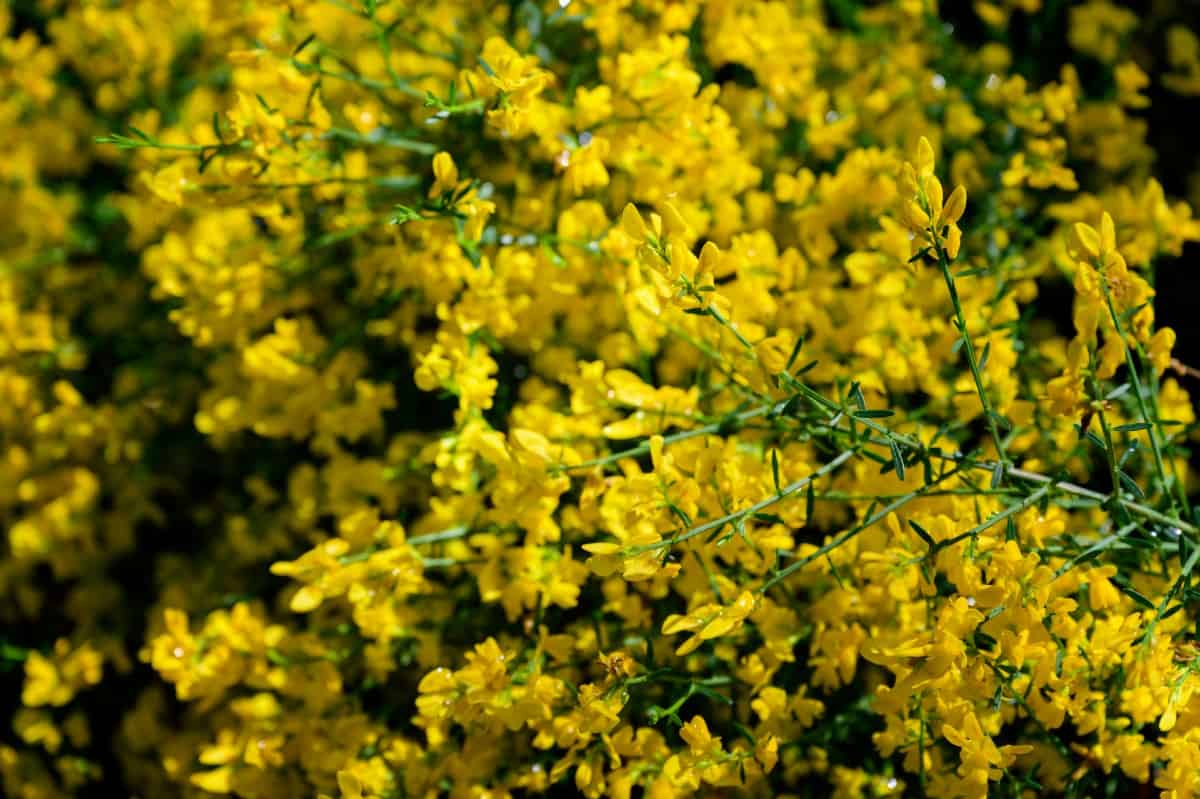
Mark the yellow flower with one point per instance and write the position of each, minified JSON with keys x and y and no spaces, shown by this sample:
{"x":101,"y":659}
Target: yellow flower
{"x":923,"y":211}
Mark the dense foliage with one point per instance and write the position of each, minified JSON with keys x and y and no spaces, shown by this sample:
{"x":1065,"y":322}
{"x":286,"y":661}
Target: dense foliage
{"x":621,"y":398}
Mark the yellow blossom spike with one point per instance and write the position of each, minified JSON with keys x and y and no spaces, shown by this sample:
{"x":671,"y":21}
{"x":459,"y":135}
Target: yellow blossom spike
{"x":657,"y":456}
{"x":656,"y":225}
{"x":632,"y":223}
{"x":924,"y":158}
{"x":933,"y":193}
{"x":953,"y":241}
{"x":673,"y":222}
{"x":602,"y":548}
{"x":914,"y":217}
{"x":908,"y":180}
{"x":1108,"y":234}
{"x":1085,"y":241}
{"x":444,"y":170}
{"x":683,"y":260}
{"x":307,"y":599}
{"x":217,"y":781}
{"x":695,"y":733}
{"x":710,"y":257}
{"x":955,"y":205}
{"x":719,"y":626}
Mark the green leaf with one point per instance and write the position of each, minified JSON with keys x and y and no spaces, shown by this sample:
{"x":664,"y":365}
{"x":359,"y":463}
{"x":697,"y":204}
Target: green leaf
{"x":1132,"y":427}
{"x":304,"y":43}
{"x":1001,"y":420}
{"x":857,"y":395}
{"x":334,"y":237}
{"x":404,"y":214}
{"x":795,"y":354}
{"x":1171,"y":612}
{"x":712,"y":693}
{"x":981,"y":270}
{"x":837,"y":575}
{"x":553,"y":254}
{"x":983,"y":640}
{"x":923,"y":534}
{"x":876,"y":414}
{"x":1133,"y":594}
{"x":680,"y":513}
{"x":1088,"y":555}
{"x":897,"y":460}
{"x":1119,"y":391}
{"x":1131,"y":485}
{"x":921,"y":253}
{"x":997,"y":475}
{"x":775,"y":470}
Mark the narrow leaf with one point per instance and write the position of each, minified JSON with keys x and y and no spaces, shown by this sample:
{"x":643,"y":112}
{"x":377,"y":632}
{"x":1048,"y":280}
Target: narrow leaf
{"x":875,"y":414}
{"x":795,"y":354}
{"x":897,"y":460}
{"x":304,"y":43}
{"x":923,"y":534}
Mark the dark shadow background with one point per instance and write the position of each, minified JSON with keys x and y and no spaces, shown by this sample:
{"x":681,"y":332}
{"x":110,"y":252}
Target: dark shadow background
{"x":1039,"y":46}
{"x":1173,"y":135}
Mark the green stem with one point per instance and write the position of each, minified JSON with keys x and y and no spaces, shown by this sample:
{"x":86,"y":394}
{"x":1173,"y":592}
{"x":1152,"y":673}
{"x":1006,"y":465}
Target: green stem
{"x":1011,"y":510}
{"x":1139,"y":393}
{"x":644,"y":447}
{"x":1184,"y":574}
{"x":874,"y":518}
{"x":449,"y":534}
{"x":1099,"y":546}
{"x":989,"y":414}
{"x":757,"y":507}
{"x":1110,"y":452}
{"x":720,"y":317}
{"x":376,"y":85}
{"x":962,"y":460}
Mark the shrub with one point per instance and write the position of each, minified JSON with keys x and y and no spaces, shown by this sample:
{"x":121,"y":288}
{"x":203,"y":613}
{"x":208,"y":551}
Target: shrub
{"x":632,"y":398}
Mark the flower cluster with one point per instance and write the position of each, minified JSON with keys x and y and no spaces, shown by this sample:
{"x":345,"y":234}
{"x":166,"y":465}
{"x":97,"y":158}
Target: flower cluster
{"x":655,"y":398}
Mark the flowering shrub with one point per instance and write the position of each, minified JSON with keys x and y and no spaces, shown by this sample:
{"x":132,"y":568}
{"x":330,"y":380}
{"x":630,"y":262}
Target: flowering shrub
{"x":617,"y":398}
